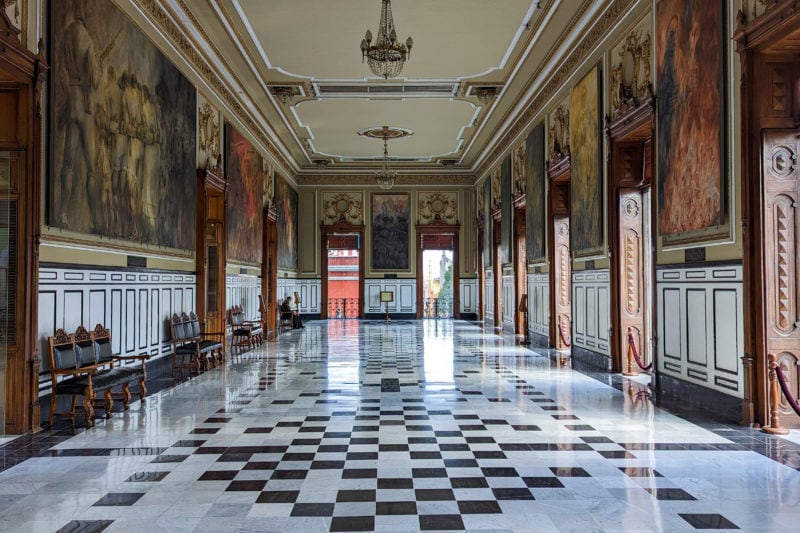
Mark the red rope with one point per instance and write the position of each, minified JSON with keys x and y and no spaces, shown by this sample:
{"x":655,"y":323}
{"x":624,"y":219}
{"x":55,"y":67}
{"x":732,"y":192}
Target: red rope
{"x":632,"y":344}
{"x":785,"y":389}
{"x":561,"y":334}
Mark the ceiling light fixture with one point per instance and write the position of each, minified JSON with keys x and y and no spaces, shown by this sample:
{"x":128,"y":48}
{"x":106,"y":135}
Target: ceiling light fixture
{"x":385,"y":176}
{"x":387,"y":56}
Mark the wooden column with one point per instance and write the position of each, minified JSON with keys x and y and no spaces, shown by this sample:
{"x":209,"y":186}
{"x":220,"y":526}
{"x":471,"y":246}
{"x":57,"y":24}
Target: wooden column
{"x":22,"y":74}
{"x":269,"y":272}
{"x":211,"y":249}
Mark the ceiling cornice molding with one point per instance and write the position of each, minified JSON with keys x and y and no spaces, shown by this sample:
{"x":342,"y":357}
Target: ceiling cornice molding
{"x":164,"y":20}
{"x":368,"y":180}
{"x":536,"y":104}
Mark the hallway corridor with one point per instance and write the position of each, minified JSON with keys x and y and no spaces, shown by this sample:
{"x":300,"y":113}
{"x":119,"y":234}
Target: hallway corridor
{"x":401,"y":426}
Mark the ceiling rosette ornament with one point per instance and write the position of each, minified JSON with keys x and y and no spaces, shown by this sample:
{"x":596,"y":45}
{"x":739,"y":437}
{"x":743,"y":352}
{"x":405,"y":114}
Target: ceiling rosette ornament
{"x":342,"y":207}
{"x":438,"y":207}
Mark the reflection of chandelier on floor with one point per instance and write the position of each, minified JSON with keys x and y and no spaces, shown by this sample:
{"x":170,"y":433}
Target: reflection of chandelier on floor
{"x":385,"y":177}
{"x":387,"y":56}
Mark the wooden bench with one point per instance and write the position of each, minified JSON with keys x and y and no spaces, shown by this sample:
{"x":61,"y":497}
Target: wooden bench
{"x":244,"y":333}
{"x":192,"y":348}
{"x":82,"y":364}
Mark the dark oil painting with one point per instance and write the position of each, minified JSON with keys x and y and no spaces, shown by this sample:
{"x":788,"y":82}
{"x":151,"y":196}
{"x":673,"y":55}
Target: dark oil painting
{"x":690,"y":107}
{"x":586,"y":181}
{"x":123,"y":130}
{"x":506,"y":224}
{"x":487,"y":222}
{"x":286,"y":204}
{"x":390,"y":231}
{"x":246,"y":173}
{"x":534,"y":197}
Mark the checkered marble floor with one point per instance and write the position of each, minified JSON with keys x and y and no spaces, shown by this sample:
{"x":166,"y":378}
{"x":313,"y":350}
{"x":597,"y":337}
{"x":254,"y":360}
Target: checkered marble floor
{"x":412,"y":425}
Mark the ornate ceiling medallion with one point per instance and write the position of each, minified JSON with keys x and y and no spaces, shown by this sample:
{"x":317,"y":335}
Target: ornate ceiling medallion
{"x":385,"y":177}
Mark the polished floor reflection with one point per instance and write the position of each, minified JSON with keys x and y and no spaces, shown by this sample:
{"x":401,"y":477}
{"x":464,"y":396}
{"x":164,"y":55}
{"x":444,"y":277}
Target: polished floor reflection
{"x":401,"y":426}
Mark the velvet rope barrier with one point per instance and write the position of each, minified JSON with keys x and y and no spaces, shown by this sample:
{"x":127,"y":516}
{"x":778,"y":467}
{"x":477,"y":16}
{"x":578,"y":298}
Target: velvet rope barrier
{"x":632,"y":347}
{"x":785,"y":389}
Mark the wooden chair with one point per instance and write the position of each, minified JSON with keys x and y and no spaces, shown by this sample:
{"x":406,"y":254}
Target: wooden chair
{"x":285,"y":319}
{"x":244,"y":333}
{"x":191,"y":348}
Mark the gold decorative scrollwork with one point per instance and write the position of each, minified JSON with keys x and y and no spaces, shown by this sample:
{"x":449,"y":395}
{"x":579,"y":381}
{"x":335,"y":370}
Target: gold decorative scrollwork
{"x":437,"y":207}
{"x":208,"y":134}
{"x":496,"y":177}
{"x":518,"y":169}
{"x":558,"y":133}
{"x":631,"y":75}
{"x":342,"y":207}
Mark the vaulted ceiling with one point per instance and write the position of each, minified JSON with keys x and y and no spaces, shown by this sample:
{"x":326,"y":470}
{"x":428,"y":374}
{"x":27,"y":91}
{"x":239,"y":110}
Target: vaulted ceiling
{"x":309,"y":50}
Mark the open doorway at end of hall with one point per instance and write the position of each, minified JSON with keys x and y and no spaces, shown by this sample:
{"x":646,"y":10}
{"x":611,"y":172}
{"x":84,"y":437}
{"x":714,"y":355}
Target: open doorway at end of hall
{"x":344,"y":276}
{"x":437,"y":283}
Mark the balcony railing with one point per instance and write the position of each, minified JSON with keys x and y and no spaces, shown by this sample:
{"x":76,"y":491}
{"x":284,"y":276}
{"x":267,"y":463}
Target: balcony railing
{"x":343,"y":308}
{"x":437,"y":308}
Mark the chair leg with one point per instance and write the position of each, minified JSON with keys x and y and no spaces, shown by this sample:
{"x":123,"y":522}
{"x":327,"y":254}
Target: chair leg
{"x":52,"y":416}
{"x":142,"y":389}
{"x":126,"y":396}
{"x":88,"y":405}
{"x":109,"y":402}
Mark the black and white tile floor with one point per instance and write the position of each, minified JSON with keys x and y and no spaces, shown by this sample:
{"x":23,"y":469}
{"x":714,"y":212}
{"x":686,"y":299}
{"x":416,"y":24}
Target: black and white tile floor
{"x":360,"y":426}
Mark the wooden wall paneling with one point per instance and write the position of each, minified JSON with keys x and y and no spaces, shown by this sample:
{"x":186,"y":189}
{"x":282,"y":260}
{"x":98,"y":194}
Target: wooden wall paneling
{"x":590,"y":290}
{"x":468,"y":291}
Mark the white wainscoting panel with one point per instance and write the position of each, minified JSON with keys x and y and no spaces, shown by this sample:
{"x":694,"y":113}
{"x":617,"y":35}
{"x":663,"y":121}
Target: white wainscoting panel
{"x":405,"y":295}
{"x":508,"y":302}
{"x":468,"y":295}
{"x":310,"y":293}
{"x":135,"y":305}
{"x":700,"y":332}
{"x":539,"y":303}
{"x":590,"y":310}
{"x":243,"y":291}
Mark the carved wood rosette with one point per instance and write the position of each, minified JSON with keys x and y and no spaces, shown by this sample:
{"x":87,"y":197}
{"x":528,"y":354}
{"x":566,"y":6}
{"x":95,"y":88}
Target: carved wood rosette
{"x":342,"y":207}
{"x":781,"y":172}
{"x":437,"y":207}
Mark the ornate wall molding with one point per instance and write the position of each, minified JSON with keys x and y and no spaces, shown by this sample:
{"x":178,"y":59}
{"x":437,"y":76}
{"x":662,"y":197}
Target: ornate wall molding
{"x":342,"y":207}
{"x":437,"y":207}
{"x":579,"y":53}
{"x":496,"y":185}
{"x":631,"y":75}
{"x":558,"y":132}
{"x":518,"y":176}
{"x":209,"y":134}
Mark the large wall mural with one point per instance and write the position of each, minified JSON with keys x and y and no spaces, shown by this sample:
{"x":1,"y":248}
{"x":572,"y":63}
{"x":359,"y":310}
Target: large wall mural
{"x":247,"y":174}
{"x":506,"y":224}
{"x":115,"y":170}
{"x":691,"y":119}
{"x":390,"y":231}
{"x":535,"y":215}
{"x":586,"y":180}
{"x":286,"y":205}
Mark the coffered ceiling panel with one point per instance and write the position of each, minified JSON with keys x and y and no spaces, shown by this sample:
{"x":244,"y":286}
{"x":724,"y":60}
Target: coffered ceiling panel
{"x":319,"y":39}
{"x":335,"y":122}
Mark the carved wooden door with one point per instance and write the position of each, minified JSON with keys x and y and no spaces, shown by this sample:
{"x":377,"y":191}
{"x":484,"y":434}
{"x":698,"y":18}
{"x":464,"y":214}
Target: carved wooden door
{"x":781,"y":220}
{"x":563,"y":288}
{"x":631,"y":278}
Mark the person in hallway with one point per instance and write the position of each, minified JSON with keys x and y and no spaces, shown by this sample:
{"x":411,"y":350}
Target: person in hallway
{"x":286,"y":307}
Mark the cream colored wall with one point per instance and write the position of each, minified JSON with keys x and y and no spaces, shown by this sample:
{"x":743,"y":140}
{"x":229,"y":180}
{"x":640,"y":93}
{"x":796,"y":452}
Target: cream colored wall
{"x":310,"y":208}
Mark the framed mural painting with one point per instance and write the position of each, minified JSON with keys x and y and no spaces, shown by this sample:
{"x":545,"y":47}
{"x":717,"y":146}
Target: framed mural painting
{"x":116,"y":170}
{"x":286,"y":204}
{"x":506,"y":224}
{"x":535,"y":210}
{"x":487,"y":223}
{"x":691,"y":136}
{"x":245,"y":170}
{"x":390,"y":231}
{"x":586,"y":181}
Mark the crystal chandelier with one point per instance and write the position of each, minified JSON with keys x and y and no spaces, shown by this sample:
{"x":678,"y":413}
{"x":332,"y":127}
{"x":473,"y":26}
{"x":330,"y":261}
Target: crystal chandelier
{"x":385,"y":177}
{"x":387,"y":56}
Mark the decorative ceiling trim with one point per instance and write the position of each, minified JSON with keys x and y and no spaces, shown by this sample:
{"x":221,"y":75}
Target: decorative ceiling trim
{"x":456,"y":180}
{"x":579,"y":53}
